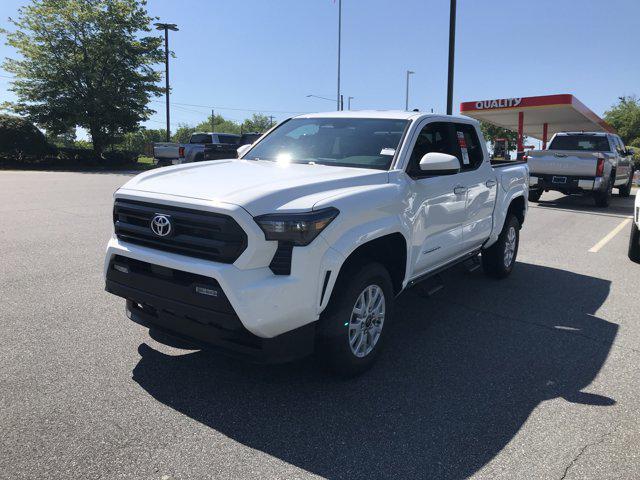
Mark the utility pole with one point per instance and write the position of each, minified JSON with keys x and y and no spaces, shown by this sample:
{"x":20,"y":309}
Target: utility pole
{"x":213,"y":120}
{"x":406,"y":97}
{"x":166,"y":27}
{"x":452,"y":49}
{"x":349,"y":102}
{"x":270,"y":121}
{"x":339,"y":47}
{"x":341,"y":102}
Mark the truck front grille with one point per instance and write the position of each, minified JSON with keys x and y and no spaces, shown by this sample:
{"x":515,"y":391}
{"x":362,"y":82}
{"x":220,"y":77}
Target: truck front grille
{"x":194,"y":233}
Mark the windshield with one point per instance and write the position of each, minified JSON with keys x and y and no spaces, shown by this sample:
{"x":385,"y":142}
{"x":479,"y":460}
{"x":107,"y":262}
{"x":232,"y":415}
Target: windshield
{"x":588,"y":143}
{"x":346,"y":142}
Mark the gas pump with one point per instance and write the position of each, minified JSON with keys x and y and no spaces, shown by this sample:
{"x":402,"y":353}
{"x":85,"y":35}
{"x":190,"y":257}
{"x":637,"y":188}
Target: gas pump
{"x":501,"y":149}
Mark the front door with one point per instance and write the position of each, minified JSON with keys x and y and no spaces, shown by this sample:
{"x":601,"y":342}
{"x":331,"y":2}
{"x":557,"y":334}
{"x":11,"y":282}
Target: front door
{"x":436,"y":204}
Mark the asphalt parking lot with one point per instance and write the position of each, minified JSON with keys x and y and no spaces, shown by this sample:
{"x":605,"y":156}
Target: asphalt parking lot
{"x":535,"y":376}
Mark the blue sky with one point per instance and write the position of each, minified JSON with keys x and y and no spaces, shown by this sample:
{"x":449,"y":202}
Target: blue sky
{"x":268,"y":55}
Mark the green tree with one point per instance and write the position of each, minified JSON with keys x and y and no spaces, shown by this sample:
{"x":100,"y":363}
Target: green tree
{"x":183,"y":133}
{"x":222,"y":125}
{"x":20,"y":139}
{"x":624,"y":116}
{"x":85,"y":63}
{"x":257,"y":123}
{"x":139,"y":140}
{"x":491,"y":132}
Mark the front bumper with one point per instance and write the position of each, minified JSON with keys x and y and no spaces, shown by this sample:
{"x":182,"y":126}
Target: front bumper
{"x":267,"y":305}
{"x":195,"y":308}
{"x":565,"y":183}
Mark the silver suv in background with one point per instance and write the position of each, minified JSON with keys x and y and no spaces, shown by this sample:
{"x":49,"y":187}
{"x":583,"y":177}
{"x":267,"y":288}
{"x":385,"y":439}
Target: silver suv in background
{"x":582,"y":162}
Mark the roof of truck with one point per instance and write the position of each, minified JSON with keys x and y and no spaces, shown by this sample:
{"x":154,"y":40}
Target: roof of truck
{"x":381,"y":114}
{"x":583,"y":133}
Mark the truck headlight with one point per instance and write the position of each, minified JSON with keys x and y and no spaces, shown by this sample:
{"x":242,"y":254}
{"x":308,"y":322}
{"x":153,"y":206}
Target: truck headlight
{"x":297,"y":228}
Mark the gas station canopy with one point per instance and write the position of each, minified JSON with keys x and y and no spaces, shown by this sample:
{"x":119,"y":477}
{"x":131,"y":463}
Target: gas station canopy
{"x":538,"y":117}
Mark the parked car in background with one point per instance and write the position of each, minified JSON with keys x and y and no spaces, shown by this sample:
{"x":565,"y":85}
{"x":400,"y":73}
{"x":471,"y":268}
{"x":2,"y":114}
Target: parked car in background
{"x":634,"y":240}
{"x":305,"y":241}
{"x":201,"y":146}
{"x":166,"y":153}
{"x":582,"y":162}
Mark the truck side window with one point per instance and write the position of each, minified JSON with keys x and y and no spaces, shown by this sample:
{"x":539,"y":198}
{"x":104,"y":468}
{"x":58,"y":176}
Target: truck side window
{"x":434,"y":137}
{"x":470,"y":151}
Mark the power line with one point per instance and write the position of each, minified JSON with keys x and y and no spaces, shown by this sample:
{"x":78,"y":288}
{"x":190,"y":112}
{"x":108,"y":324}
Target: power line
{"x":231,"y":108}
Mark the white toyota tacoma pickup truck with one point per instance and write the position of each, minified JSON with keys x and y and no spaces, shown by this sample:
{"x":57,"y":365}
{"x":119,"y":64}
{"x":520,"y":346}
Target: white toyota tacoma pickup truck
{"x":304,"y":242}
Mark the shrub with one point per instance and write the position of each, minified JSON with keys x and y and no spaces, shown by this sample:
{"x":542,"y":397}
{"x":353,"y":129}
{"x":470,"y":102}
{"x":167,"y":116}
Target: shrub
{"x":20,"y":140}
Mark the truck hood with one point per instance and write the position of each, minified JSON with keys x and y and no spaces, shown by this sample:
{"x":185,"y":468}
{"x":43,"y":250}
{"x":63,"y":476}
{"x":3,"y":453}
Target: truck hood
{"x":258,"y":186}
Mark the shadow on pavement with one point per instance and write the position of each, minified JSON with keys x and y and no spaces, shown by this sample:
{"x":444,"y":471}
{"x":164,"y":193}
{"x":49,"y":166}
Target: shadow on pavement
{"x":619,"y":206}
{"x":460,"y":375}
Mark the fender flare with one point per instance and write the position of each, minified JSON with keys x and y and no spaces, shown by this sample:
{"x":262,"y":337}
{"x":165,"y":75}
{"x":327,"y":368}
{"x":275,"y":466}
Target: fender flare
{"x":350,"y":241}
{"x":500,"y":215}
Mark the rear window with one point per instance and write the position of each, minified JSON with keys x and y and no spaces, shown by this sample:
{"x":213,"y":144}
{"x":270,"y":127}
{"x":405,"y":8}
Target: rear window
{"x":200,"y":138}
{"x":587,"y":143}
{"x":228,"y":139}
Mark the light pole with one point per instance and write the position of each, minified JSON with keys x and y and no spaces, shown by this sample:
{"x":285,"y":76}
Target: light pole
{"x":452,"y":49}
{"x":349,"y":102}
{"x":166,"y":27}
{"x":406,"y":97}
{"x":339,"y":47}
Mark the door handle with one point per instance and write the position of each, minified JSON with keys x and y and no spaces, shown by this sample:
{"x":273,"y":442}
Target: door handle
{"x":459,"y":190}
{"x":490,"y":183}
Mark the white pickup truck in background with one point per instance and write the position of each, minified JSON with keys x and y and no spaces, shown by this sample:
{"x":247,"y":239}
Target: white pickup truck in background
{"x":582,"y":162}
{"x":304,"y":242}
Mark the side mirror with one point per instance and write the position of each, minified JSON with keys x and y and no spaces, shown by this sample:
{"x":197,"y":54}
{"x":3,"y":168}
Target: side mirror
{"x":243,"y":149}
{"x":435,"y":163}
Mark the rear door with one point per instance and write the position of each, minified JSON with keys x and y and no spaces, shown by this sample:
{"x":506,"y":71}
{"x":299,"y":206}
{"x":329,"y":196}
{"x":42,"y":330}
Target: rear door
{"x":478,"y":178}
{"x":435,"y":204}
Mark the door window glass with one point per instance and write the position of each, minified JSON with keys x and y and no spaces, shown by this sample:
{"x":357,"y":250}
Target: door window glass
{"x":434,"y":137}
{"x":470,"y":153}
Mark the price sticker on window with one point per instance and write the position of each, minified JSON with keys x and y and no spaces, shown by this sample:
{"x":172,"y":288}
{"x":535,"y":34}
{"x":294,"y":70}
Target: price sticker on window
{"x":462,"y":143}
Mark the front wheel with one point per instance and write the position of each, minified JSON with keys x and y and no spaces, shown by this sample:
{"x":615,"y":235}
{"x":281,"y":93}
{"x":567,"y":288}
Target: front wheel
{"x":498,"y":260}
{"x":352,"y":328}
{"x":634,"y":243}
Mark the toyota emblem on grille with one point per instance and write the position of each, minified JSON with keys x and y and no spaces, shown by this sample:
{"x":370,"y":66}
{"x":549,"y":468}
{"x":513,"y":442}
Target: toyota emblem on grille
{"x":161,"y":225}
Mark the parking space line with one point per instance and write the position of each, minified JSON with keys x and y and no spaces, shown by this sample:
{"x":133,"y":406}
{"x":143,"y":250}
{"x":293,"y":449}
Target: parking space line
{"x":609,"y":236}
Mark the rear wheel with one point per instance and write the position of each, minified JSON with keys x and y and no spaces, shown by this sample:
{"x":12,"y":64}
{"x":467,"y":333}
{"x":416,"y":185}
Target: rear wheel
{"x":534,"y":195}
{"x":625,"y":190}
{"x":634,"y":243}
{"x":602,"y":199}
{"x":352,"y":328}
{"x":498,"y":260}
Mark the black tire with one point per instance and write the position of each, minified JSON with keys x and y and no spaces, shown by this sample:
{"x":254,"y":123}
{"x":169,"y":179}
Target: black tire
{"x":634,"y":243}
{"x":198,"y":158}
{"x":625,"y":190}
{"x":603,"y":199}
{"x":494,"y":258}
{"x":534,"y":195}
{"x":338,"y":320}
